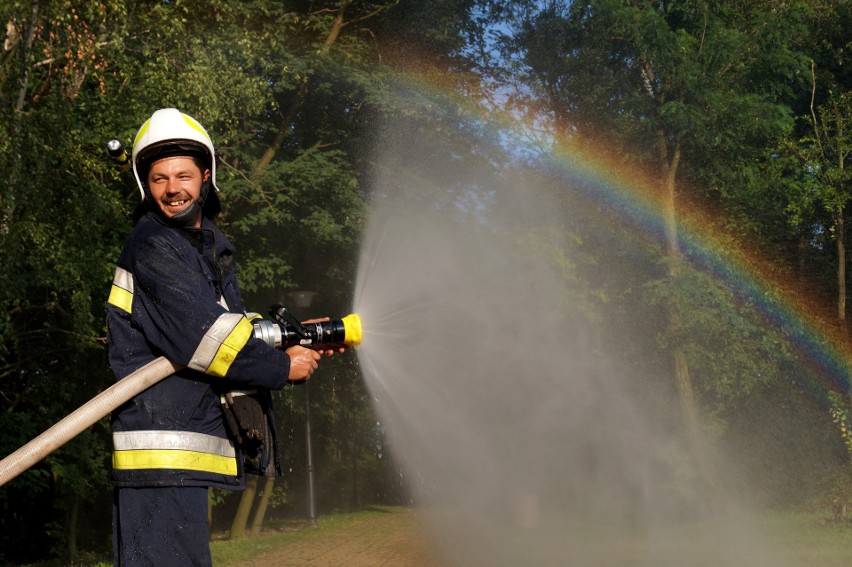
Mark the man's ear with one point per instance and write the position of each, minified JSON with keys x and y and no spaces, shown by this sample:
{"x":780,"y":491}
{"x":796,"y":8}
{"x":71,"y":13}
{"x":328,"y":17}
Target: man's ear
{"x":206,"y":175}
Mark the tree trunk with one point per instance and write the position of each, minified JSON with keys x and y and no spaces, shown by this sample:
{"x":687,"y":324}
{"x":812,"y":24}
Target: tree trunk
{"x":8,"y":201}
{"x":840,"y":236}
{"x":840,"y":226}
{"x":28,"y":47}
{"x":300,"y":96}
{"x":802,"y":253}
{"x":257,"y":523}
{"x":683,"y":380}
{"x":669,"y":174}
{"x":71,"y":528}
{"x":238,"y":527}
{"x":355,"y":498}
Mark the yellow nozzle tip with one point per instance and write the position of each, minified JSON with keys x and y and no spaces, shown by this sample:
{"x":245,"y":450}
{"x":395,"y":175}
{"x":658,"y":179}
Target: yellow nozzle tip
{"x":352,"y":330}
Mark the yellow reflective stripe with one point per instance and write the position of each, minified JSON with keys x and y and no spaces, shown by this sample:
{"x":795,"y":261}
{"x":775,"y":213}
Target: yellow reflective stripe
{"x":173,"y":459}
{"x":121,"y":292}
{"x":181,"y":440}
{"x":231,"y":347}
{"x":121,"y":298}
{"x":195,"y":125}
{"x":221,"y":344}
{"x":141,"y":132}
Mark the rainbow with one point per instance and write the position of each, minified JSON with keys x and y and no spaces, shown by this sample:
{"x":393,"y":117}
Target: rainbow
{"x":810,"y":324}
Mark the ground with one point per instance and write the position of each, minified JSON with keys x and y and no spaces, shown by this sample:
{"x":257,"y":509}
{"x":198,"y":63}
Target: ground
{"x":387,"y":537}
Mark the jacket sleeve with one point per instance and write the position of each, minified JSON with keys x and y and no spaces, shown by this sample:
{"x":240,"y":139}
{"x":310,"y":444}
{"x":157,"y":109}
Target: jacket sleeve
{"x":180,"y":317}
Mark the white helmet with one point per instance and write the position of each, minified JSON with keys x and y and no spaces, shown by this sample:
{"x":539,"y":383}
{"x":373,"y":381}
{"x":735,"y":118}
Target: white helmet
{"x":170,"y":132}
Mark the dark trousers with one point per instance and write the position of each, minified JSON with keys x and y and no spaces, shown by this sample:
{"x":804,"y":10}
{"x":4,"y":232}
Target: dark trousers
{"x":161,"y":527}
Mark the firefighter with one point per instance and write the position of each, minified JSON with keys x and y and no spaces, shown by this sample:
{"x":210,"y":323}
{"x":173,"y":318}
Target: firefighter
{"x":175,"y":294}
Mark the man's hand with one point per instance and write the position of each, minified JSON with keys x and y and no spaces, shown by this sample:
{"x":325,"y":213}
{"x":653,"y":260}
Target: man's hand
{"x":303,"y":362}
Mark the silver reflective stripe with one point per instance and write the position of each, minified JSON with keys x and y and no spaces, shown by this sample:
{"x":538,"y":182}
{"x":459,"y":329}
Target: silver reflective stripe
{"x":242,"y":392}
{"x":123,"y":279}
{"x":172,"y":440}
{"x":224,"y":303}
{"x":235,"y":394}
{"x":207,"y":349}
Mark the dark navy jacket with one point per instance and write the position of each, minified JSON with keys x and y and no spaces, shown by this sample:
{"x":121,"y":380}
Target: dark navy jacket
{"x":175,"y":294}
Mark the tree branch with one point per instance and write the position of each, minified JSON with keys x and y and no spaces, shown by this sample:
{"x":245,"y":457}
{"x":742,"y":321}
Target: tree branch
{"x":28,"y":46}
{"x":813,"y":112}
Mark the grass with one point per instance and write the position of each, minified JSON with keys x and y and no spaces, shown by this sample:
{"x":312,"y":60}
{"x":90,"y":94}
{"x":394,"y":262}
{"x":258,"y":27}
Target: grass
{"x":807,"y":539}
{"x":796,"y":537}
{"x":278,"y":536}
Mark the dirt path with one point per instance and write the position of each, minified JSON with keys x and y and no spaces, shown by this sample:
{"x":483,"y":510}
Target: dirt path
{"x":385,"y":538}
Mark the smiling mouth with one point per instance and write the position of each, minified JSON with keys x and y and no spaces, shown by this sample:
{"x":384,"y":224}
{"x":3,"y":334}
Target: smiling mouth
{"x":172,"y":208}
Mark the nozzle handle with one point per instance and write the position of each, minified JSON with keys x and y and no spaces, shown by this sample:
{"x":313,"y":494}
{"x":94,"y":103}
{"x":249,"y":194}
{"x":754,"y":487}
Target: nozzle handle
{"x":284,"y":317}
{"x":339,"y":332}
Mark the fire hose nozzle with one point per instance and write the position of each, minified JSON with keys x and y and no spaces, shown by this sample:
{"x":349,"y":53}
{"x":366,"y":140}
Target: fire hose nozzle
{"x":288,"y":331}
{"x":352,"y":331}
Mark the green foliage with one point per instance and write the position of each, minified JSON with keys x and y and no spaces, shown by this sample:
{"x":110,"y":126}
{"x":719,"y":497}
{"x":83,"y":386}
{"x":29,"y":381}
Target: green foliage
{"x":823,"y":151}
{"x":61,"y":227}
{"x":730,"y":349}
{"x":839,"y":411}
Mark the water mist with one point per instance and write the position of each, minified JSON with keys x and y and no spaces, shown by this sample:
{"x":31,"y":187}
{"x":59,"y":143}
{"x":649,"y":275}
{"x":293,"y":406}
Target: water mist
{"x":523,"y":443}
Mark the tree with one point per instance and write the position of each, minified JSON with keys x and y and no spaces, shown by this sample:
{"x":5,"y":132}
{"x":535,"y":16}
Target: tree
{"x":686,"y":89}
{"x":61,"y":225}
{"x":823,"y":152}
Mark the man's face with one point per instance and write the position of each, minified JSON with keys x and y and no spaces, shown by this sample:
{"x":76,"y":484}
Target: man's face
{"x":175,"y":183}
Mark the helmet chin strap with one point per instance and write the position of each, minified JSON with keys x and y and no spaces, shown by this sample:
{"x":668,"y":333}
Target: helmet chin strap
{"x":187,"y":217}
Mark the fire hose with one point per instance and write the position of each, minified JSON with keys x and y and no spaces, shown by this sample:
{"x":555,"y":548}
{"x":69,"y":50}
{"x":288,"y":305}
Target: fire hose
{"x":86,"y":415}
{"x":287,"y":332}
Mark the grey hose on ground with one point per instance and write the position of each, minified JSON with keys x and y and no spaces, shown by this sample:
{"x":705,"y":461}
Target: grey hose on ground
{"x":84,"y":416}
